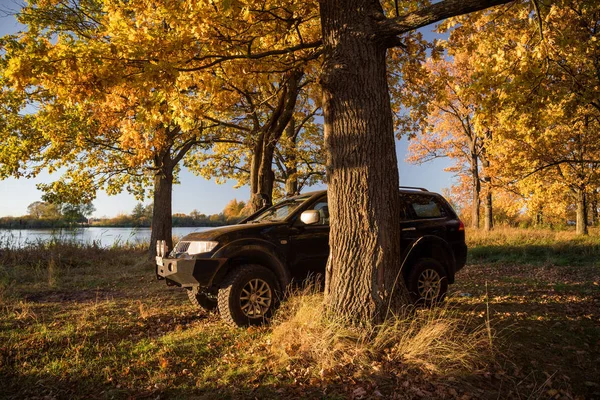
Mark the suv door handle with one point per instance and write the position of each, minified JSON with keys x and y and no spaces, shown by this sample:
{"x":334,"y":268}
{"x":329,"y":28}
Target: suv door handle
{"x":409,"y":229}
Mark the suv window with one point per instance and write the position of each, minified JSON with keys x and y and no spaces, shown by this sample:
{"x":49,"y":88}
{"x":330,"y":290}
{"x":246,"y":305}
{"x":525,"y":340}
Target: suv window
{"x":426,"y":207}
{"x":280,"y":211}
{"x":323,"y":209}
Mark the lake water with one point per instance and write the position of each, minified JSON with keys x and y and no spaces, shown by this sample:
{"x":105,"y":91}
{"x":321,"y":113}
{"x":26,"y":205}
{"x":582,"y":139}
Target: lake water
{"x":105,"y":237}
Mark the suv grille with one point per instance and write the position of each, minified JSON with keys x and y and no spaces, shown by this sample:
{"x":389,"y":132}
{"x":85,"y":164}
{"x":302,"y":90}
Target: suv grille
{"x":182,"y":247}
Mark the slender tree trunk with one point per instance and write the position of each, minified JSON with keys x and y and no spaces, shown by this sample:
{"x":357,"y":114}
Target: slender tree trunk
{"x":488,"y":223}
{"x":489,"y":216}
{"x":539,"y":218}
{"x":476,"y":192}
{"x":162,"y":213}
{"x":594,"y":208}
{"x":582,"y":223}
{"x":291,"y":181}
{"x":255,"y":198}
{"x":362,"y":277}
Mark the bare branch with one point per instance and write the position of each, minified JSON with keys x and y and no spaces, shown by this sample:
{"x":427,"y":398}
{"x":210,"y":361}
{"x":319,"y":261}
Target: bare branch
{"x":431,"y":14}
{"x":227,"y":124}
{"x":214,"y":59}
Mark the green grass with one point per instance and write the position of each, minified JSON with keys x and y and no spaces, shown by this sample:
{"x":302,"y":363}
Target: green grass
{"x":84,"y":322}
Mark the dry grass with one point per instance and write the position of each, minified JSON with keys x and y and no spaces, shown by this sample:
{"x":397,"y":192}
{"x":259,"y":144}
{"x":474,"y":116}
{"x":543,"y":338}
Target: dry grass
{"x":59,"y":266}
{"x":505,"y":245}
{"x":505,"y":235}
{"x":435,"y":340}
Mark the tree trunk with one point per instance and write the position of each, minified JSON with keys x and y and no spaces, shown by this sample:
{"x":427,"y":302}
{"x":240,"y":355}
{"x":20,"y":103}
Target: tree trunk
{"x":582,"y":223}
{"x":488,"y":211}
{"x":539,"y":218}
{"x":162,"y":213}
{"x":262,"y":177}
{"x":476,"y":191}
{"x":362,"y":277}
{"x":594,"y":208}
{"x":291,"y":181}
{"x":489,"y":216}
{"x":266,"y":176}
{"x":256,"y":201}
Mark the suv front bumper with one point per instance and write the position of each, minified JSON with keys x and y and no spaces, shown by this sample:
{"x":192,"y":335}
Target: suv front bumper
{"x":188,"y":272}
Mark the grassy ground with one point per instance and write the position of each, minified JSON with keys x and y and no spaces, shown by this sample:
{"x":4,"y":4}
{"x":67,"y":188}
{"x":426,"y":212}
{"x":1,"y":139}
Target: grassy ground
{"x":92,"y":323}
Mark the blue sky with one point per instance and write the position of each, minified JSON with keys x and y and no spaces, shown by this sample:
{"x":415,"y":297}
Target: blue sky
{"x":194,"y":192}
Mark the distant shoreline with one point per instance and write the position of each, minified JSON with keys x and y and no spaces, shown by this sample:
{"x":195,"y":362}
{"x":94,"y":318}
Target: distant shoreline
{"x":83,"y":226}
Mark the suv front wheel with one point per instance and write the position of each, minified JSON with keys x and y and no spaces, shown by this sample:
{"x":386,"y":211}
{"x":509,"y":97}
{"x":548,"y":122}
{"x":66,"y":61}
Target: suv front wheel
{"x":427,"y":282}
{"x":248,"y":295}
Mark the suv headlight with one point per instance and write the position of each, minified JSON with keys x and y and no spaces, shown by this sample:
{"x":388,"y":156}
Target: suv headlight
{"x":201,"y":247}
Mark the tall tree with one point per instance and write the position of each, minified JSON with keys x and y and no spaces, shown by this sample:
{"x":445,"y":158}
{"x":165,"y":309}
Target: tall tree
{"x":449,"y":113}
{"x":359,"y":136}
{"x":43,"y":210}
{"x":74,"y":213}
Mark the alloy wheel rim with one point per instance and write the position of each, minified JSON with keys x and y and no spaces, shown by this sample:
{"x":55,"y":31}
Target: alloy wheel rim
{"x":256,"y":298}
{"x":429,"y":285}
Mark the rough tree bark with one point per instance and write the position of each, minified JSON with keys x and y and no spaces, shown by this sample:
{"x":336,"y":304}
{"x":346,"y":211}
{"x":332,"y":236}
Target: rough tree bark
{"x":362,"y":277}
{"x":255,"y":198}
{"x":362,"y":165}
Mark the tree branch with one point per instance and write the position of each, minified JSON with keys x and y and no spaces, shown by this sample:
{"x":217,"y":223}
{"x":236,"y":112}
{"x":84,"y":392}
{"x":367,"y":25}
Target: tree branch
{"x":214,"y":59}
{"x":227,"y":124}
{"x":389,"y":27}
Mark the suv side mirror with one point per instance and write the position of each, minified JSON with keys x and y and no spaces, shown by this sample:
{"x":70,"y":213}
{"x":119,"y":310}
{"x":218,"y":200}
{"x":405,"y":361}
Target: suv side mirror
{"x":310,"y":217}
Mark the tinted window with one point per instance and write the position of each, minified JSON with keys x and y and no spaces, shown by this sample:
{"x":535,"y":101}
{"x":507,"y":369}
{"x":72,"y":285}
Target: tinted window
{"x":321,"y":207}
{"x":426,"y":207}
{"x":280,"y":211}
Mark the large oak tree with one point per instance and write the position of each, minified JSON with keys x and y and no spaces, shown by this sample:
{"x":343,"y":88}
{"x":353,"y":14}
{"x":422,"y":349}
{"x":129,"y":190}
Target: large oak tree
{"x":362,"y":273}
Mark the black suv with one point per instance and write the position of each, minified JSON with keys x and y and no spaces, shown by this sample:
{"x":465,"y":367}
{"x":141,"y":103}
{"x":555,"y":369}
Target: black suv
{"x":242,"y":269}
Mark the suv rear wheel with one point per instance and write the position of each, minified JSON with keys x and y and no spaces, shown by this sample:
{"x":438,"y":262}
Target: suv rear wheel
{"x":427,"y":282}
{"x":201,"y":299}
{"x":248,"y":295}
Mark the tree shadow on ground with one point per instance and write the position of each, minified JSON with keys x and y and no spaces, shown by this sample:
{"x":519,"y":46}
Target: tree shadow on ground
{"x":546,"y":319}
{"x":413,"y":384}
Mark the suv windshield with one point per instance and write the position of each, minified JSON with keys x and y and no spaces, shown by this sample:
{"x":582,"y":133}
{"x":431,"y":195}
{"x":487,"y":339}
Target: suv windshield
{"x":280,"y":211}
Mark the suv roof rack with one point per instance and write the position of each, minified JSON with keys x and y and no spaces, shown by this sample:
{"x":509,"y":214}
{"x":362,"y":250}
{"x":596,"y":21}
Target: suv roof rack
{"x":414,"y":188}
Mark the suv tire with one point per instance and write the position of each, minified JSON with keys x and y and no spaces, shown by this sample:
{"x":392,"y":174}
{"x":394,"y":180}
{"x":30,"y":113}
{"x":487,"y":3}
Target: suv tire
{"x":248,"y":295}
{"x":201,"y":299}
{"x":427,"y":282}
